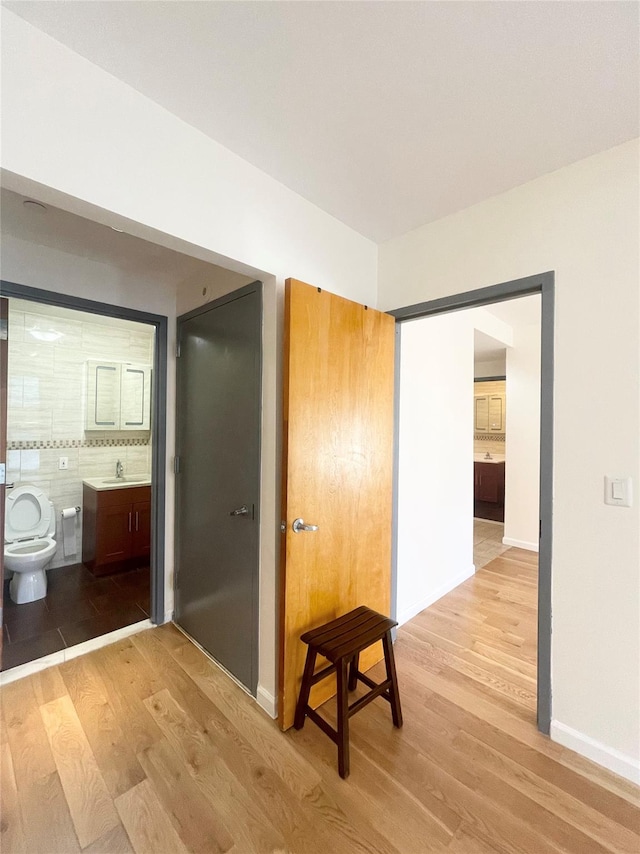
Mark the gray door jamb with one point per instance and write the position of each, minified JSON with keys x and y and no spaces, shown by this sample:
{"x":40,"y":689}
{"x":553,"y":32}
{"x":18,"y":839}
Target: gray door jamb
{"x":544,"y":284}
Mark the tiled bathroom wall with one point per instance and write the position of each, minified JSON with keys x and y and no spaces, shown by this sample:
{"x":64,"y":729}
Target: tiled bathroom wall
{"x":48,"y":351}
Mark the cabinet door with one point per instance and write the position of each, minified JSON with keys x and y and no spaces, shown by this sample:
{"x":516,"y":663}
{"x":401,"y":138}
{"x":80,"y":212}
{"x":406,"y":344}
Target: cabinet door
{"x":481,"y":413}
{"x":141,"y":536}
{"x":496,"y":413}
{"x":113,"y":534}
{"x":135,"y":397}
{"x":486,"y":479}
{"x":103,"y":396}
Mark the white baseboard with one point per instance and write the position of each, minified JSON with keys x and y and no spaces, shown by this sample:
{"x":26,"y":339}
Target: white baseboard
{"x":608,"y":757}
{"x":438,"y":593}
{"x":520,"y":544}
{"x":267,"y":702}
{"x":72,"y":652}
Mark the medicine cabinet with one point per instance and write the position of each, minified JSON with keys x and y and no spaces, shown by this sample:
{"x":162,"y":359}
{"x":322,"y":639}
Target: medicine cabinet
{"x":118,"y":396}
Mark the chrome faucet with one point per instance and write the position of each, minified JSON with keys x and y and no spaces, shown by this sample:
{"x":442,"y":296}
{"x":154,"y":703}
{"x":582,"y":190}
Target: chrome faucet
{"x":119,"y":469}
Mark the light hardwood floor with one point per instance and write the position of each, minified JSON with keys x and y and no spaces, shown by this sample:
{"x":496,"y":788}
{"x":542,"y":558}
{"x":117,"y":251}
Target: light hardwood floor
{"x":146,"y":746}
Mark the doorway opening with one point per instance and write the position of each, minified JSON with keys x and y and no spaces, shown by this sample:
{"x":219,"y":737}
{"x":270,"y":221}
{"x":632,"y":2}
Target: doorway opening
{"x":86,"y":398}
{"x":449,"y":483}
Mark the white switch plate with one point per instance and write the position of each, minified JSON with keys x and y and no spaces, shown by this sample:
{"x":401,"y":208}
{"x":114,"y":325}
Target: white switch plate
{"x":63,"y":463}
{"x":618,"y":491}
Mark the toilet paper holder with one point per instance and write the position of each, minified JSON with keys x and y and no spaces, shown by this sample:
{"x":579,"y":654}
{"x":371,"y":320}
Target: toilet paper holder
{"x":78,"y":510}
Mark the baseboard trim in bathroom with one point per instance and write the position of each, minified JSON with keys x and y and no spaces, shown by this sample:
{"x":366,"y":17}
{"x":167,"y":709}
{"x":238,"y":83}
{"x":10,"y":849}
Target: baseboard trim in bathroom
{"x":7,"y":676}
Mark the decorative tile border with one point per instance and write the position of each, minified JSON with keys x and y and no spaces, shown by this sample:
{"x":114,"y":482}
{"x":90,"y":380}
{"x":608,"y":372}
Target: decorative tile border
{"x":26,"y":445}
{"x":489,"y":437}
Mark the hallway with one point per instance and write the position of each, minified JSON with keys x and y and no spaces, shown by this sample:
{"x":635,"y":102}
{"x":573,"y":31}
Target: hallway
{"x":145,"y":745}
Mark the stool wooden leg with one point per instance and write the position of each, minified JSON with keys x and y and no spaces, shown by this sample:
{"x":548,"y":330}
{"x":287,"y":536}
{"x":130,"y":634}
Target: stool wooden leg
{"x":343,"y":718}
{"x":305,"y":689}
{"x":353,"y":672}
{"x":390,"y":662}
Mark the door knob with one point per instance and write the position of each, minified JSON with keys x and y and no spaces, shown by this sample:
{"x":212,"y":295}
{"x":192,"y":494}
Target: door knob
{"x":241,"y":511}
{"x":298,"y":526}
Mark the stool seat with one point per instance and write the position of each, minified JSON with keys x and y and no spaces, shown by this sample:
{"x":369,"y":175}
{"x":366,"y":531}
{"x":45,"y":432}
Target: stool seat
{"x":341,"y":641}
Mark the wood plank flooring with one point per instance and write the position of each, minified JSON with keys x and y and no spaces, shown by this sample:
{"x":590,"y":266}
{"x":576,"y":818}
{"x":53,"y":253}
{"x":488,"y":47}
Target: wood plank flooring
{"x":146,"y":746}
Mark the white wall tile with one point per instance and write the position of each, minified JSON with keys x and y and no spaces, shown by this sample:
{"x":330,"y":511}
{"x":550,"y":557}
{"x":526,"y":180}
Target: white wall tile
{"x":16,"y":325}
{"x":69,"y":331}
{"x":25,"y":424}
{"x":137,"y":459}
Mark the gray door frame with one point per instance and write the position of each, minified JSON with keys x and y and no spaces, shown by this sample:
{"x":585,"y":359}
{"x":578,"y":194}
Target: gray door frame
{"x":158,"y":414}
{"x":252,"y":287}
{"x":543,"y":284}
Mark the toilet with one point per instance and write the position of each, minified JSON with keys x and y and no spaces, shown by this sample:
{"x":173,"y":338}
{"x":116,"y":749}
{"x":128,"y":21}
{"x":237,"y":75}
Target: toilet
{"x":29,"y":542}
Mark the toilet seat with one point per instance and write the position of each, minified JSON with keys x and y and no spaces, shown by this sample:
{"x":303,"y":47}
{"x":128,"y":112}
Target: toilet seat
{"x":28,"y":514}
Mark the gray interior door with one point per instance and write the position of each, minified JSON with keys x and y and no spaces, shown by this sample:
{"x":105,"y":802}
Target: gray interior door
{"x":218,"y":480}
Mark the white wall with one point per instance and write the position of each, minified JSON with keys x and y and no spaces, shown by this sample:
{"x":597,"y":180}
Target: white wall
{"x":75,"y":137}
{"x":436,"y":441}
{"x":522,"y":474}
{"x":582,"y":222}
{"x":495,"y":368}
{"x":435,"y":474}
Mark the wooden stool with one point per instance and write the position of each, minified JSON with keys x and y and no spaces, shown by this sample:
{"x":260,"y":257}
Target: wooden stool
{"x":341,"y":641}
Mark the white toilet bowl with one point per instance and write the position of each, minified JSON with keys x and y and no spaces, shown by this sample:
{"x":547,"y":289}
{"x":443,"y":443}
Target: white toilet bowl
{"x":29,"y":530}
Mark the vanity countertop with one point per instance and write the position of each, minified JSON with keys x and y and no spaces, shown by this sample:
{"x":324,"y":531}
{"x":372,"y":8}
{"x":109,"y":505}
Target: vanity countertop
{"x":128,"y":481}
{"x":495,"y":458}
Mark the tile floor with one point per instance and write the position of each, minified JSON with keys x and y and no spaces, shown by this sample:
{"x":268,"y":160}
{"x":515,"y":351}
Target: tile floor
{"x":487,"y":541}
{"x":78,"y":606}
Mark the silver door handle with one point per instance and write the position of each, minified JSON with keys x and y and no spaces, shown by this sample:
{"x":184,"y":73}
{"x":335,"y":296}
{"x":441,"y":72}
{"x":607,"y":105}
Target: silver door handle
{"x":241,"y":511}
{"x":298,"y":526}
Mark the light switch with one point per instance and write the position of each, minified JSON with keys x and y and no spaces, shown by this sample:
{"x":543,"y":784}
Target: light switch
{"x":618,"y":491}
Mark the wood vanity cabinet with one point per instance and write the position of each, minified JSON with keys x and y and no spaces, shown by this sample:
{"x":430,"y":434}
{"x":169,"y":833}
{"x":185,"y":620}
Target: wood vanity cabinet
{"x":116,"y":528}
{"x":488,"y":491}
{"x":488,"y":482}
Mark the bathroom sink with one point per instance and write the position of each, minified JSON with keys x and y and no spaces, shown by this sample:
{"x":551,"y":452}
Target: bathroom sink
{"x":126,"y":479}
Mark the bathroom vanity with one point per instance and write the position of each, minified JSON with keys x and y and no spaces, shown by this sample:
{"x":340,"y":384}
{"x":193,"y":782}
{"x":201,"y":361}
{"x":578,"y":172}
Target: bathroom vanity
{"x":488,"y":487}
{"x":116,"y":526}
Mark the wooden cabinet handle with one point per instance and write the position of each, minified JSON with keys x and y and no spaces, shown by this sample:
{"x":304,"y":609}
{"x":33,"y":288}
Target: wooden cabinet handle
{"x":137,"y":520}
{"x":129,"y":521}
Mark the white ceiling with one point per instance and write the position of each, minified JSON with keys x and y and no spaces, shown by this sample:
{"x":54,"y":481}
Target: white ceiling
{"x":487,"y":349}
{"x":385,"y":114}
{"x":67,"y":232}
{"x":524,"y":311}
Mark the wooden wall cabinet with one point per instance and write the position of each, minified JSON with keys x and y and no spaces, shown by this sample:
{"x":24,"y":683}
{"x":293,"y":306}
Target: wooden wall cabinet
{"x":116,"y":528}
{"x":489,"y":413}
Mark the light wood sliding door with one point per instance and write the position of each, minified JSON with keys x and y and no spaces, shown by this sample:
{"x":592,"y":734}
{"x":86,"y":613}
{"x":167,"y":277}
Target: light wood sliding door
{"x":337,"y":473}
